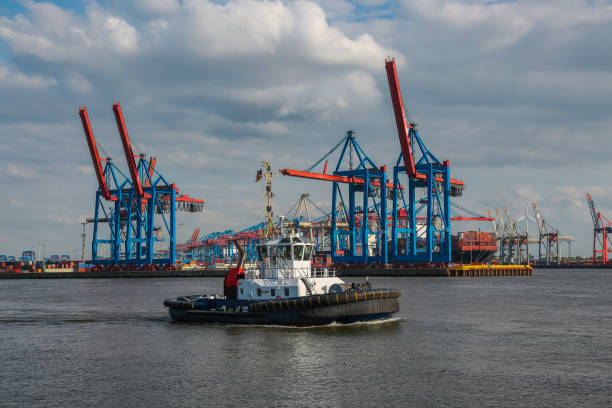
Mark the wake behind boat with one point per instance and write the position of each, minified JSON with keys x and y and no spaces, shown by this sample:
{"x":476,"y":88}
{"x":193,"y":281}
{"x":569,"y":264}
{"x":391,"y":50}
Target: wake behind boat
{"x":285,"y":290}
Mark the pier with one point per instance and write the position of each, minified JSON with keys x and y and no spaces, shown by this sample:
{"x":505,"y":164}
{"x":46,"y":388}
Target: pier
{"x":453,"y":271}
{"x":489,"y":270}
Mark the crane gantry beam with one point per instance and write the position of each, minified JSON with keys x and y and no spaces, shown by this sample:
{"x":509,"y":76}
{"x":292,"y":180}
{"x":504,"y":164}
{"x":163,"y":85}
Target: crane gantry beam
{"x":350,"y":180}
{"x":328,"y":177}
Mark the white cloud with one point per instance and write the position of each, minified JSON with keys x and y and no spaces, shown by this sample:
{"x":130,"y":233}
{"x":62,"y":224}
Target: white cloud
{"x":335,"y":9}
{"x":21,"y":204}
{"x":60,"y":218}
{"x":87,"y":170}
{"x":12,"y":78}
{"x":247,"y":28}
{"x":572,"y":83}
{"x":320,"y":70}
{"x":205,"y":28}
{"x":78,"y":83}
{"x":121,"y":33}
{"x":55,"y":35}
{"x":505,"y":23}
{"x":158,"y":6}
{"x":329,"y":45}
{"x":237,"y":28}
{"x":21,"y":172}
{"x":42,"y":212}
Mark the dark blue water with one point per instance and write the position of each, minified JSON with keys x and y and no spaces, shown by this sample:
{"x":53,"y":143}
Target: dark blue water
{"x":544,"y":340}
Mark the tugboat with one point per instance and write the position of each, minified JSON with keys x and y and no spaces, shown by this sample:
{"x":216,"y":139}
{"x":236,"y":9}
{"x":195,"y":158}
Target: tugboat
{"x":285,"y":290}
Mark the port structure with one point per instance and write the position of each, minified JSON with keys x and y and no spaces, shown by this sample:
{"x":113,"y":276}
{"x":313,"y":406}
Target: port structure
{"x":359,"y":222}
{"x":420,"y":214}
{"x":510,"y":242}
{"x":359,"y":200}
{"x":218,"y":249}
{"x":549,"y":239}
{"x":601,"y":228}
{"x":28,"y":256}
{"x":414,"y":241}
{"x":421,"y":211}
{"x":514,"y":239}
{"x":137,"y":211}
{"x":298,"y":219}
{"x":265,"y":173}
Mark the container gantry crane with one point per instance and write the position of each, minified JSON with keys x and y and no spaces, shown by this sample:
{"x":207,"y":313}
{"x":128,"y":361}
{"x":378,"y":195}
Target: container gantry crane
{"x":519,"y":240}
{"x":357,"y":235}
{"x":431,"y":240}
{"x":549,"y":239}
{"x":504,"y":238}
{"x":496,"y":230}
{"x":421,"y":215}
{"x":514,"y":254}
{"x":548,"y":242}
{"x":136,"y":216}
{"x":601,"y":228}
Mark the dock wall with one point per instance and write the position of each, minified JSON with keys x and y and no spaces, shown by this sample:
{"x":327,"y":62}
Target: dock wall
{"x":454,"y":271}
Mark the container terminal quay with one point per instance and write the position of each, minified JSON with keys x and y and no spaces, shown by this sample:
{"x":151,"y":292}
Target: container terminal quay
{"x":384,"y":221}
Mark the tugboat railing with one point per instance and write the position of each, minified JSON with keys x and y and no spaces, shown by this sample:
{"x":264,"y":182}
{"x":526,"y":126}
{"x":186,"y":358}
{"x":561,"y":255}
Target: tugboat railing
{"x":285,"y":272}
{"x":322,"y":273}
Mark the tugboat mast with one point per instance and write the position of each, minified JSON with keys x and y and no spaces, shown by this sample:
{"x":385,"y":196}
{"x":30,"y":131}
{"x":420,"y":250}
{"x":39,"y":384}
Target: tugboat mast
{"x":266,"y":172}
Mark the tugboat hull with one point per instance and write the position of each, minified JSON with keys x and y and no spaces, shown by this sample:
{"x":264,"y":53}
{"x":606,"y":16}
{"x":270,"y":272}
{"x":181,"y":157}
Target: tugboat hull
{"x":347,"y":307}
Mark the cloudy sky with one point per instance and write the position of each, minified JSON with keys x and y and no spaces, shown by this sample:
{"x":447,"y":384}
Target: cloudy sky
{"x":516,"y":94}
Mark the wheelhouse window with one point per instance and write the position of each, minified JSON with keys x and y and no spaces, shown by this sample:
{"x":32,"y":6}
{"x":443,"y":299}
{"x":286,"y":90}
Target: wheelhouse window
{"x":273,"y":292}
{"x":261,"y":252}
{"x":286,"y":252}
{"x":273,"y":254}
{"x":286,"y":292}
{"x":258,"y":291}
{"x":298,"y":252}
{"x":308,"y":252}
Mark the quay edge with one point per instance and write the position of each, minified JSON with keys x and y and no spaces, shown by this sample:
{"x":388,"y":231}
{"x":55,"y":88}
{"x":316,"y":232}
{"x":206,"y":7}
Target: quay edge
{"x":458,"y":270}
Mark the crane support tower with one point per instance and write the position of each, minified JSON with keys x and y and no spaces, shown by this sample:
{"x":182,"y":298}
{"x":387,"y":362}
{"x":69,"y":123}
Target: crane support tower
{"x":601,"y":228}
{"x":135,"y":215}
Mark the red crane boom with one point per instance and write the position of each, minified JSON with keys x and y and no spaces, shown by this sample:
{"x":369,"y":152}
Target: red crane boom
{"x":328,"y":177}
{"x":400,"y":117}
{"x":93,"y":149}
{"x":152,"y":163}
{"x":127,"y":148}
